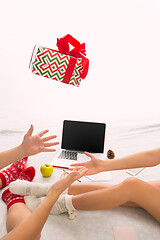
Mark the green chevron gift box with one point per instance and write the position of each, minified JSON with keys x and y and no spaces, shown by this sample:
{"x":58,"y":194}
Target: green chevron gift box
{"x":62,"y":65}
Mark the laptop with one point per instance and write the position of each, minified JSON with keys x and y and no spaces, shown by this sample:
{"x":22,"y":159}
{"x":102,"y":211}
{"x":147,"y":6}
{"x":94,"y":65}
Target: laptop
{"x":77,"y":138}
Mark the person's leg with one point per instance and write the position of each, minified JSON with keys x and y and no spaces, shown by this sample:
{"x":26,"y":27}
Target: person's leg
{"x":17,"y":210}
{"x":155,"y":183}
{"x":17,"y":213}
{"x":79,"y":188}
{"x":26,"y":188}
{"x":0,"y":183}
{"x":75,"y":189}
{"x":131,"y":190}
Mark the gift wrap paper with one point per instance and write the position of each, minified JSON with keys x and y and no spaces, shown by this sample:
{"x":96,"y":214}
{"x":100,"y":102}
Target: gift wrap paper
{"x":53,"y":64}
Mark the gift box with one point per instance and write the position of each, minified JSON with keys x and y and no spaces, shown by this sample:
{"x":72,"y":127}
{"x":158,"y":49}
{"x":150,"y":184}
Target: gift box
{"x":63,"y":65}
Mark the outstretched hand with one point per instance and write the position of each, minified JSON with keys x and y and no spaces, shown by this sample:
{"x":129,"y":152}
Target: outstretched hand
{"x":94,"y":165}
{"x":67,"y":179}
{"x":35,"y":144}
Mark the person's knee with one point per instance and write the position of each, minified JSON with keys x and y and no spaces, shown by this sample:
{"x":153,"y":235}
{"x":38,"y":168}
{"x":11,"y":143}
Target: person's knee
{"x":130,"y":185}
{"x":131,"y":181}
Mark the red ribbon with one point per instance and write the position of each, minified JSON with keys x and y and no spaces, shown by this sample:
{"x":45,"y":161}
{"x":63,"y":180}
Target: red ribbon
{"x":78,"y":51}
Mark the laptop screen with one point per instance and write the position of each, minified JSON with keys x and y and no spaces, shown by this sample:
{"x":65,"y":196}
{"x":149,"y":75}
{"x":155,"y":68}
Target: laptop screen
{"x":83,"y":136}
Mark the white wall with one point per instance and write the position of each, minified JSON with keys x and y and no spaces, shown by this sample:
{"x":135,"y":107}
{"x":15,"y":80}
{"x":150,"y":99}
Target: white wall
{"x":123,"y":45}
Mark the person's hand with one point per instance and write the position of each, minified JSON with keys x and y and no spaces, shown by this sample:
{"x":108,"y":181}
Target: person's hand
{"x":67,"y":179}
{"x":32,"y":145}
{"x":94,"y":166}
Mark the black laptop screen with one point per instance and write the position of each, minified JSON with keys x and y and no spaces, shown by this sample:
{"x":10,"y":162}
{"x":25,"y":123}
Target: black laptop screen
{"x":83,"y":136}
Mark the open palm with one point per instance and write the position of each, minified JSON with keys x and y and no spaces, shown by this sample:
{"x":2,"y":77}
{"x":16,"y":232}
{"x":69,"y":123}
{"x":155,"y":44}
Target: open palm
{"x":36,"y":144}
{"x":94,"y":165}
{"x":67,"y":179}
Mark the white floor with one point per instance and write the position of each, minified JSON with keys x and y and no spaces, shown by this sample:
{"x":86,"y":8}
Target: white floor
{"x":98,"y":224}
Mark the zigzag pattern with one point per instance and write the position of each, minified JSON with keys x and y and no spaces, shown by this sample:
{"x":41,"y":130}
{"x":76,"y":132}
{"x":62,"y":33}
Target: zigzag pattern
{"x":52,"y":64}
{"x":76,"y":79}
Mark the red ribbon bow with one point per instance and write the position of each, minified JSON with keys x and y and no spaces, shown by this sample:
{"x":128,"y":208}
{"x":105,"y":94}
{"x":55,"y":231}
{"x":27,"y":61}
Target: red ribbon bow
{"x":78,"y":51}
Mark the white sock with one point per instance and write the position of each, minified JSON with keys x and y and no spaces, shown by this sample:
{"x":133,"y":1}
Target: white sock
{"x":25,"y":188}
{"x":72,"y":212}
{"x":63,"y":204}
{"x":32,"y":202}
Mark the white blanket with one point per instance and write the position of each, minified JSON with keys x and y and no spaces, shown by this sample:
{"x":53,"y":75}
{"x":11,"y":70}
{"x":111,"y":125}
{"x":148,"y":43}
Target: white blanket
{"x":92,"y":225}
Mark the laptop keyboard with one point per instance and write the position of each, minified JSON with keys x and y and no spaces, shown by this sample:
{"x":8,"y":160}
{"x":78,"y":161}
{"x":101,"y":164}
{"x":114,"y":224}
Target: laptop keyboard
{"x":68,"y":155}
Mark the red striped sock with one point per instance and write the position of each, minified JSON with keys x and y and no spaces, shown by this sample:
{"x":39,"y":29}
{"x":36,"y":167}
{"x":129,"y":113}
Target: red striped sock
{"x":10,"y":198}
{"x":12,"y":173}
